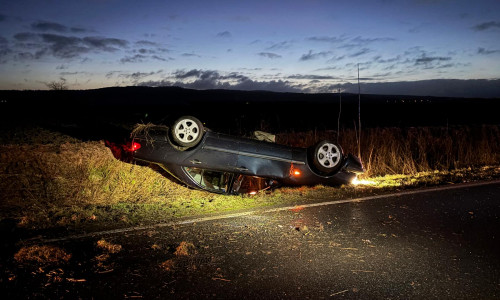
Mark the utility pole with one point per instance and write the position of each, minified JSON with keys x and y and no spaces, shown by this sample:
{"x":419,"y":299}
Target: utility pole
{"x":359,"y":117}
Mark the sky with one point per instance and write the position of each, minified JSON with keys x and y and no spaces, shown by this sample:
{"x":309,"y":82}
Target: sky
{"x":310,"y":46}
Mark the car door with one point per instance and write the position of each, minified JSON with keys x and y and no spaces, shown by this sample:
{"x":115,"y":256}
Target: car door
{"x":264,"y":159}
{"x":218,"y":152}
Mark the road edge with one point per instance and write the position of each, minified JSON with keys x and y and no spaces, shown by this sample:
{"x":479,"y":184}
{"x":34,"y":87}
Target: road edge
{"x":262,"y":211}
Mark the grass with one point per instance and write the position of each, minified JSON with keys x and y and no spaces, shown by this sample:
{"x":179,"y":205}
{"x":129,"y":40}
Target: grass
{"x":412,"y":150}
{"x":77,"y":185}
{"x":44,"y":254}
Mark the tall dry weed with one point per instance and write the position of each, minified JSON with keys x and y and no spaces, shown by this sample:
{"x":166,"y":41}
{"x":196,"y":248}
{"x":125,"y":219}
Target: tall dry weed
{"x":412,"y":150}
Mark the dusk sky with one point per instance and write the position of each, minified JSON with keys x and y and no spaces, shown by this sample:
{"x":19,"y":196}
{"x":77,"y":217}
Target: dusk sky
{"x":297,"y":45}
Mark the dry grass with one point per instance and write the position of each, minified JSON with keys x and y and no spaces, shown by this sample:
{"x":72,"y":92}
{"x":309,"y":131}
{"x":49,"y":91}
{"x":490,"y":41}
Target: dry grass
{"x":185,"y":249}
{"x":167,"y":265}
{"x":184,"y":256}
{"x":41,"y":254}
{"x":50,"y":181}
{"x":412,"y":150}
{"x":109,"y":247}
{"x":145,"y":130}
{"x":72,"y":174}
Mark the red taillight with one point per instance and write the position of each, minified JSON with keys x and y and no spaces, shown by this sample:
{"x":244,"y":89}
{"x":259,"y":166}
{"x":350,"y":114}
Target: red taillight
{"x":136,"y":146}
{"x":133,"y":146}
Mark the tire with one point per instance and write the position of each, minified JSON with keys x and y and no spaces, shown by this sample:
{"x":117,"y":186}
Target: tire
{"x":187,"y":131}
{"x":327,"y":157}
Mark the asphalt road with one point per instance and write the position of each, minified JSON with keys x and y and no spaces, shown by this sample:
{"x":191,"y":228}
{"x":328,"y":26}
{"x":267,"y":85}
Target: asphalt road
{"x":443,"y":244}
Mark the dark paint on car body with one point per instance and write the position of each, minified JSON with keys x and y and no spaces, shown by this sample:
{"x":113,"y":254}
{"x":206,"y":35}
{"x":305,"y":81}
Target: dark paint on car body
{"x":223,"y":163}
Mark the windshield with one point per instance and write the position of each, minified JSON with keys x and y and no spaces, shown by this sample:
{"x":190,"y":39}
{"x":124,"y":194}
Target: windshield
{"x":211,"y":180}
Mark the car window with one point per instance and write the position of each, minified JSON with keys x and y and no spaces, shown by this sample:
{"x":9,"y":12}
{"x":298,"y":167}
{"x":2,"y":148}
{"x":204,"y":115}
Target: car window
{"x":245,"y":184}
{"x":210,"y":180}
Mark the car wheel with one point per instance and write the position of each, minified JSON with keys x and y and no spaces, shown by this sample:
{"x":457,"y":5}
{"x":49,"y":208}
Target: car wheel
{"x":187,"y":131}
{"x":327,"y":157}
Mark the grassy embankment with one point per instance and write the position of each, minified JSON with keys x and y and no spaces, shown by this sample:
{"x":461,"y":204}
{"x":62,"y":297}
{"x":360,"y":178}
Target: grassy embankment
{"x":74,"y":184}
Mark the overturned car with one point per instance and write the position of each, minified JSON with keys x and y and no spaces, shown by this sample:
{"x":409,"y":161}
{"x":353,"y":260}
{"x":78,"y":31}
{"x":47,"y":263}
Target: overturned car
{"x":220,"y":163}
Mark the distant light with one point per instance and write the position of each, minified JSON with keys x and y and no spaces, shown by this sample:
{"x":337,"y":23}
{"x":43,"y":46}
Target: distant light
{"x":253,"y":193}
{"x":296,"y":173}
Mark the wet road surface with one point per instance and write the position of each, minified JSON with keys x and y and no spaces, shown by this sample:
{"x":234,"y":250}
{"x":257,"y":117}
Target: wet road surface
{"x":434,"y":245}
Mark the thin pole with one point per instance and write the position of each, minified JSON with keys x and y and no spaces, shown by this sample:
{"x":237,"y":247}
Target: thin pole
{"x":359,"y":117}
{"x":340,"y":113}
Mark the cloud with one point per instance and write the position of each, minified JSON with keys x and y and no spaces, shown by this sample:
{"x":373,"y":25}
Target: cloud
{"x":327,"y":39}
{"x":139,"y":75}
{"x":110,"y":74}
{"x":161,"y":58}
{"x":360,"y":52}
{"x":328,"y":69}
{"x":379,"y":59}
{"x":269,"y":55}
{"x":359,"y":42}
{"x":336,"y":59}
{"x":280,"y":45}
{"x":190,"y":55}
{"x":201,"y":74}
{"x":62,"y":46}
{"x":133,"y":59}
{"x":428,"y":60}
{"x":4,"y":49}
{"x":148,"y":48}
{"x":72,"y":73}
{"x":486,"y":52}
{"x":211,"y":79}
{"x":146,"y":43}
{"x":25,"y":56}
{"x":106,"y":44}
{"x":486,"y":26}
{"x":80,"y":30}
{"x":224,"y":34}
{"x":144,"y":51}
{"x":26,"y":36}
{"x":364,"y":41}
{"x":311,"y":77}
{"x":48,"y":26}
{"x":311,"y":55}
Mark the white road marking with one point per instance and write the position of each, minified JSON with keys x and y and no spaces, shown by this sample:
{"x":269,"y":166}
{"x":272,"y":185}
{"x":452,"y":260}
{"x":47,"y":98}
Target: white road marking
{"x":262,"y":211}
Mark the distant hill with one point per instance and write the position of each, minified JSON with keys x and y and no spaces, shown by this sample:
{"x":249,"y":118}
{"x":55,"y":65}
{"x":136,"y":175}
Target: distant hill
{"x":247,"y":108}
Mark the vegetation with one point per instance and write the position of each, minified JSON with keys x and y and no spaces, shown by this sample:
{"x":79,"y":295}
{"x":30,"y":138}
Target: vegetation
{"x":51,"y":180}
{"x":412,"y":150}
{"x":57,"y":85}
